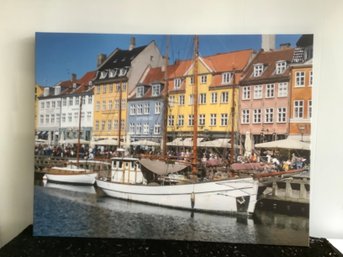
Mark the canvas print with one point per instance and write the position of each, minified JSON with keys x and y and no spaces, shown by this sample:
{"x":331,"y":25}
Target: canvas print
{"x":173,"y":137}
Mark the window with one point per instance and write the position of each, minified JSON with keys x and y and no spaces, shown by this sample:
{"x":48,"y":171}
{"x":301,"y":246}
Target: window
{"x":203,"y":79}
{"x":246,"y":93}
{"x":140,"y":91}
{"x":64,"y":116}
{"x":70,"y":117}
{"x":202,"y":120}
{"x":97,"y":125}
{"x":213,"y":119}
{"x":122,"y":125}
{"x":83,"y":98}
{"x":41,"y":119}
{"x":258,"y":92}
{"x":89,"y":116}
{"x":157,"y":129}
{"x":281,"y":114}
{"x":139,"y":109}
{"x":258,"y":69}
{"x":146,"y":108}
{"x":116,"y":104}
{"x":270,"y":91}
{"x":70,"y":101}
{"x":123,"y":104}
{"x":118,"y":87}
{"x":191,"y":99}
{"x":58,"y":103}
{"x":311,"y":78}
{"x":76,"y":116}
{"x":283,"y":89}
{"x":77,"y":100}
{"x":145,"y":128}
{"x":123,"y":86}
{"x":109,"y":125}
{"x":52,"y":118}
{"x":139,"y":128}
{"x":202,"y":98}
{"x":171,"y":100}
{"x":224,"y":97}
{"x":157,"y":108}
{"x":170,"y":120}
{"x":191,"y":120}
{"x":156,"y":90}
{"x":132,"y":109}
{"x":103,"y":105}
{"x":42,"y":105}
{"x":97,"y":89}
{"x":245,"y":116}
{"x":181,"y":99}
{"x":214,"y":97}
{"x":300,"y":79}
{"x":227,"y":78}
{"x":191,"y":80}
{"x":269,"y":115}
{"x":110,"y":88}
{"x":280,"y":67}
{"x":53,"y":104}
{"x":97,"y":106}
{"x":90,"y":99}
{"x":47,"y":119}
{"x":309,"y":109}
{"x":110,"y":104}
{"x":132,"y":128}
{"x":224,"y":119}
{"x":115,"y":124}
{"x":257,"y":116}
{"x":298,"y":109}
{"x":64,"y":102}
{"x":177,"y":83}
{"x":47,"y":104}
{"x":180,"y":120}
{"x":58,"y":118}
{"x":103,"y":123}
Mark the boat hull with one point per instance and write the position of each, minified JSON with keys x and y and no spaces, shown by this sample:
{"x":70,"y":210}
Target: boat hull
{"x":85,"y":179}
{"x":232,"y":196}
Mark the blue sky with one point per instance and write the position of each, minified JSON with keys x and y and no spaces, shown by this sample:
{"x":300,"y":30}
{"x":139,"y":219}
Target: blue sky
{"x":58,"y":55}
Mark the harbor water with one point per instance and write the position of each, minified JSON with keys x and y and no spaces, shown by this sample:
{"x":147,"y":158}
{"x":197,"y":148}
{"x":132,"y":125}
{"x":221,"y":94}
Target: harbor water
{"x":83,"y":211}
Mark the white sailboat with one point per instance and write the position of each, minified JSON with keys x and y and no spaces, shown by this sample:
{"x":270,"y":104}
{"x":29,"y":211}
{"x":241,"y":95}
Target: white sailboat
{"x":74,"y":173}
{"x":158,"y":185}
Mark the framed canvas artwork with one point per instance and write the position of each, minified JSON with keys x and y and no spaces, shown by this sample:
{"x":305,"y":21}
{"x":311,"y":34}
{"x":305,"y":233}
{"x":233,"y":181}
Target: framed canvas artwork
{"x":173,"y":137}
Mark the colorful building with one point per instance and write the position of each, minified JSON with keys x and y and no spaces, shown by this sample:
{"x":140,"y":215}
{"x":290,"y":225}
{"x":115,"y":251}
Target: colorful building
{"x":301,"y":89}
{"x":218,"y":77}
{"x":38,"y":92}
{"x":116,"y":76}
{"x":264,"y":95}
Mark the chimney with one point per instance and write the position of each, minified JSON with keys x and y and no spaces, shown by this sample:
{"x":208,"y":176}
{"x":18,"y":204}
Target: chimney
{"x":285,"y":45}
{"x":100,"y":59}
{"x":132,"y":43}
{"x":268,"y":42}
{"x":73,"y":77}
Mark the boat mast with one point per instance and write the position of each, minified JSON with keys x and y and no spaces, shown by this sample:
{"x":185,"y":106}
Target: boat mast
{"x":79,"y":134}
{"x":232,"y":141}
{"x":195,"y":105}
{"x":165,"y":103}
{"x":119,"y":114}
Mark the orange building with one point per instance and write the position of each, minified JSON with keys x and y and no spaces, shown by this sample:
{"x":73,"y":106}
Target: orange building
{"x":301,"y":90}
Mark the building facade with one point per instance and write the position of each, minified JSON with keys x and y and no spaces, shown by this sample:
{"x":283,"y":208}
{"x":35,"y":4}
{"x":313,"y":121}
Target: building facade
{"x":38,"y":92}
{"x":301,"y":89}
{"x":116,"y":76}
{"x":264,"y":95}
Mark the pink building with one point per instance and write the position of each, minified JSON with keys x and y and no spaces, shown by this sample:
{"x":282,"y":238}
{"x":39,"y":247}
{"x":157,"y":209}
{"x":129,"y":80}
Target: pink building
{"x":264,"y":95}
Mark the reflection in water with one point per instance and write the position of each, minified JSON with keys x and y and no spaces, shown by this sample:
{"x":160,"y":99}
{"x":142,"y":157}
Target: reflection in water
{"x":85,"y":212}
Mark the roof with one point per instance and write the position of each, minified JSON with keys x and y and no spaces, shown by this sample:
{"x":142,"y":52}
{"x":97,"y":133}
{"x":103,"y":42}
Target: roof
{"x":118,"y":63}
{"x":268,"y":59}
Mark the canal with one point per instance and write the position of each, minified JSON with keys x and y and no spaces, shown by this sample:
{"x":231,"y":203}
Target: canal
{"x":83,"y":211}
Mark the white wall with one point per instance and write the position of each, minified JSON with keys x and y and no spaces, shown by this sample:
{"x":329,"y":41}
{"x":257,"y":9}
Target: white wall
{"x":20,"y":19}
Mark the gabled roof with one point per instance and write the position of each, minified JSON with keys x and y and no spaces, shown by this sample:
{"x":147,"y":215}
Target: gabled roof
{"x":269,"y":60}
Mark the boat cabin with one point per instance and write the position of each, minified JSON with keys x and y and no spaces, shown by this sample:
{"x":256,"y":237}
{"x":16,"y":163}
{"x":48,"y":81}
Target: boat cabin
{"x":127,"y":170}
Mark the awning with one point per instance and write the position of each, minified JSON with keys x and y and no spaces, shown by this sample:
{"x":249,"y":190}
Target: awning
{"x":288,"y":143}
{"x":145,"y":142}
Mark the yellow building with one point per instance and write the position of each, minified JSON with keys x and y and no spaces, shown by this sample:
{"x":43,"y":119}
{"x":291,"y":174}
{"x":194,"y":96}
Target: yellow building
{"x":116,"y":76}
{"x":218,"y":78}
{"x":38,"y":92}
